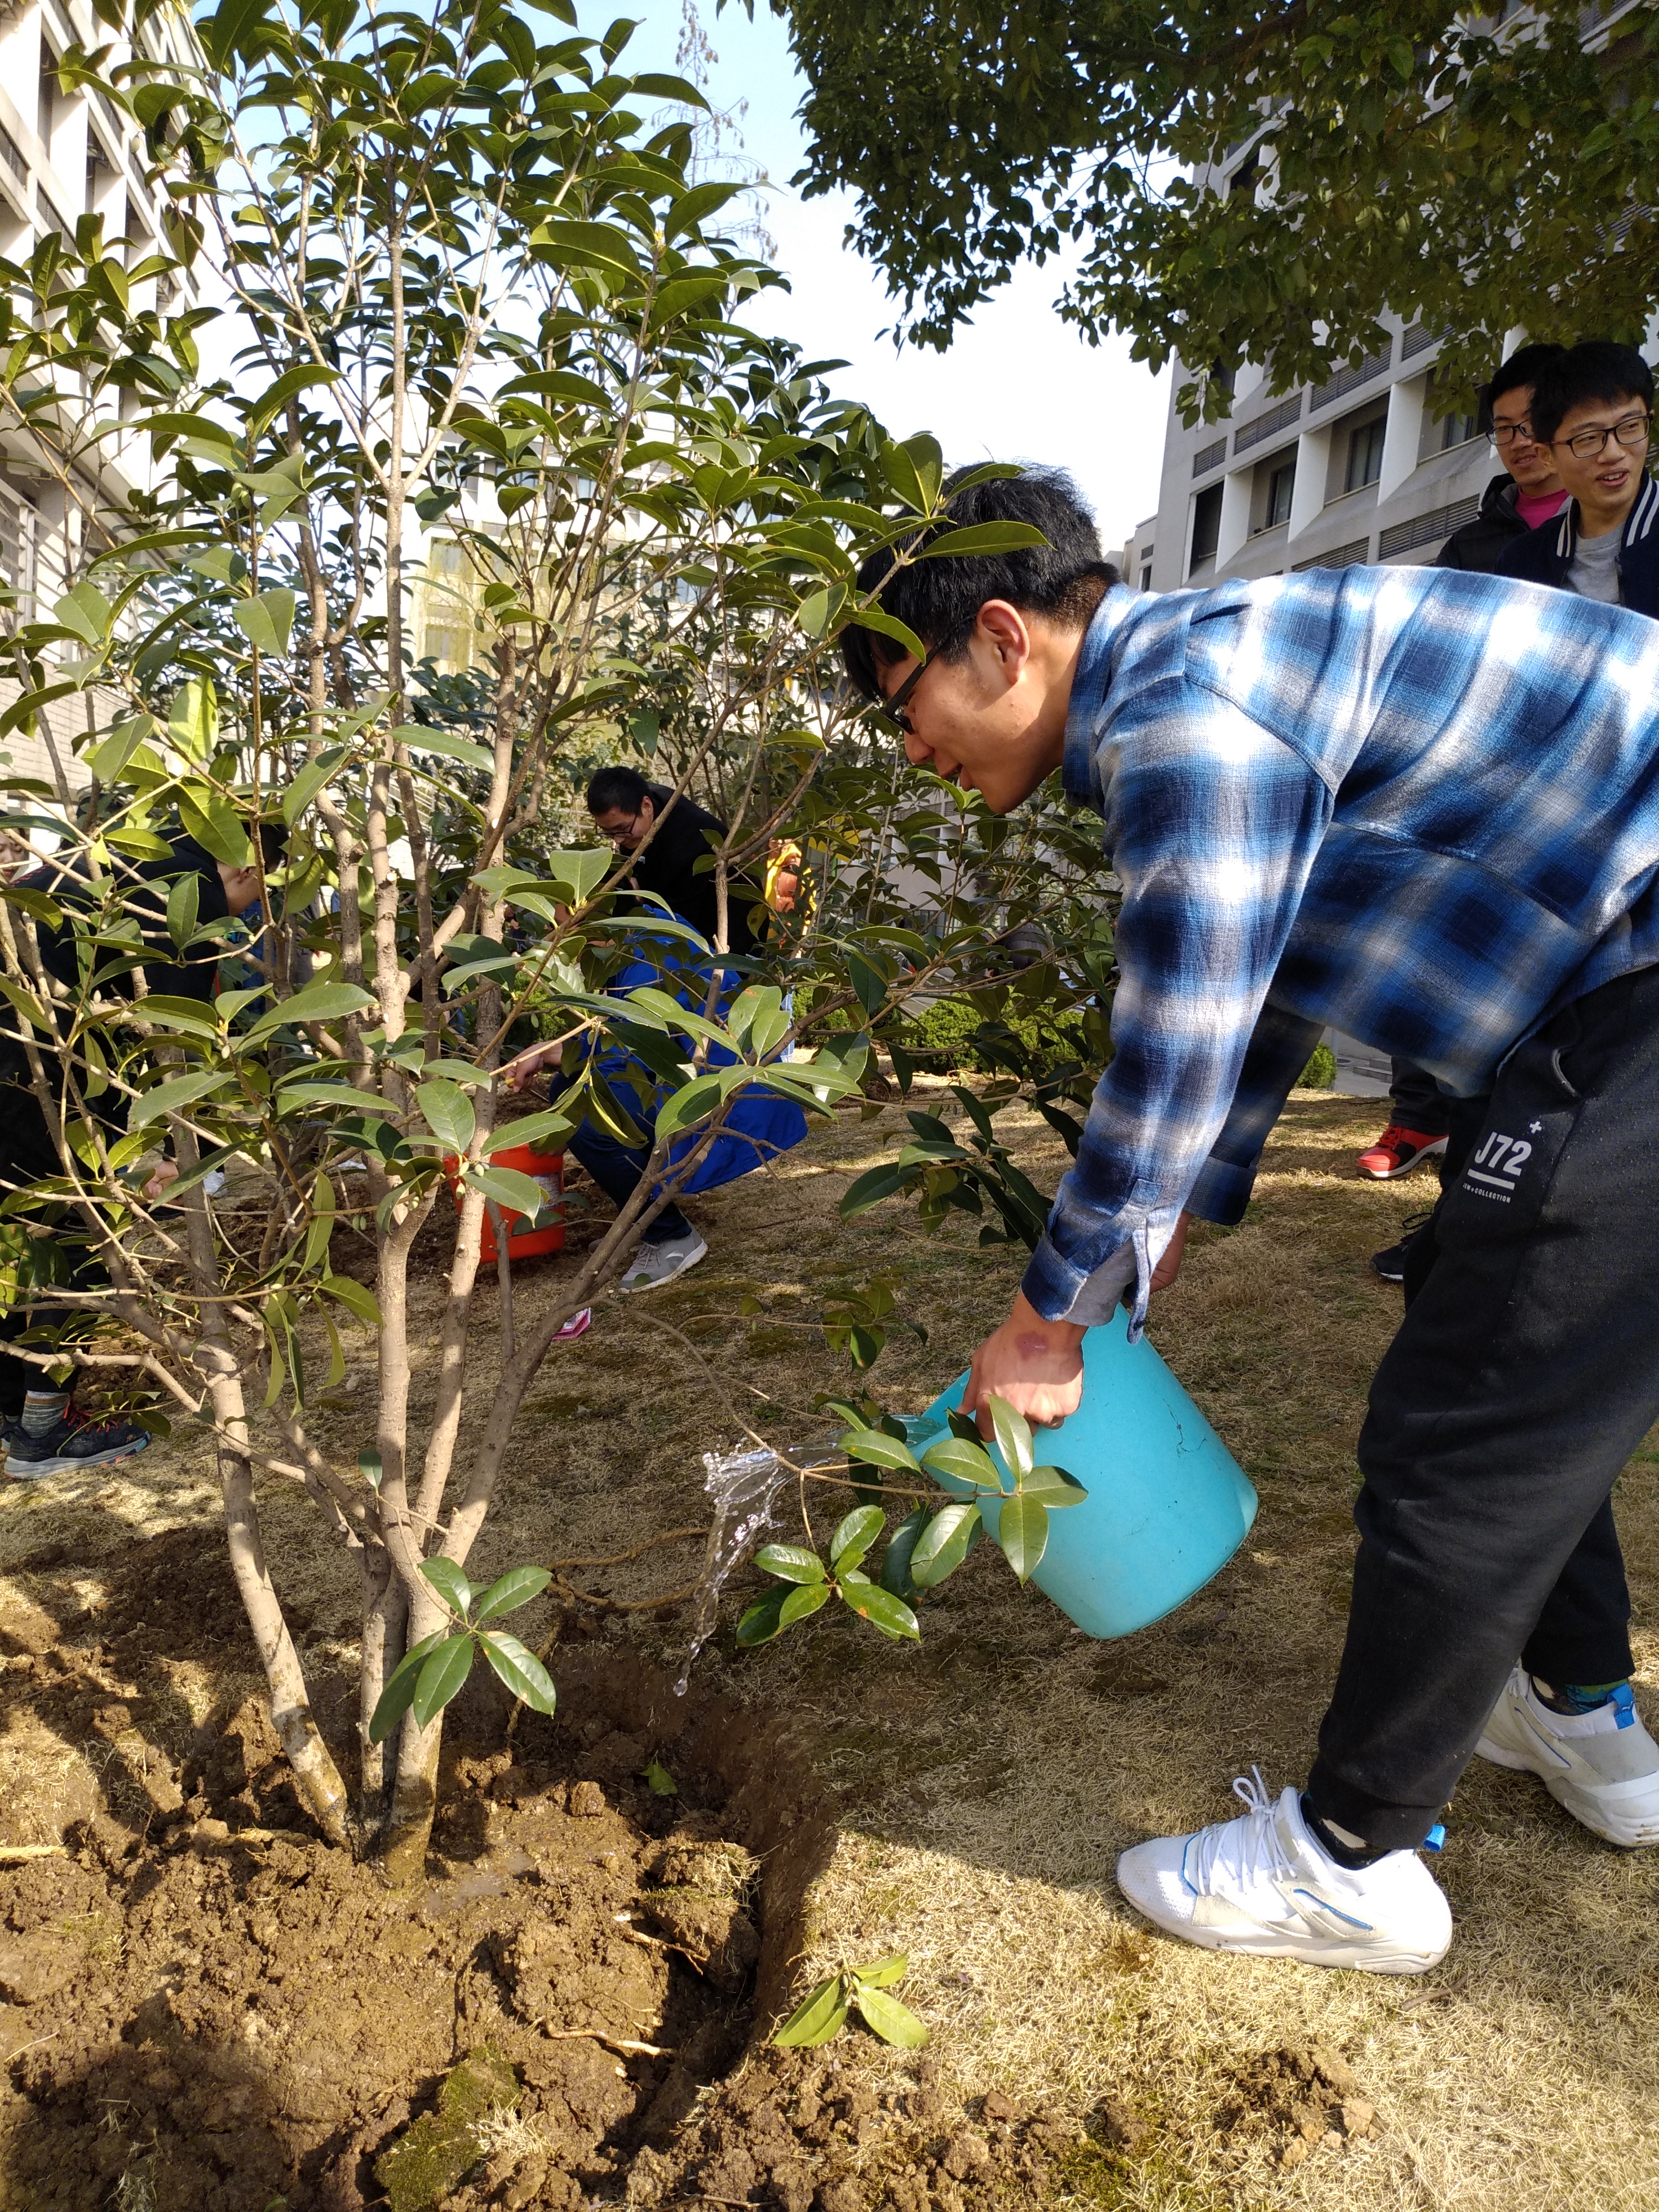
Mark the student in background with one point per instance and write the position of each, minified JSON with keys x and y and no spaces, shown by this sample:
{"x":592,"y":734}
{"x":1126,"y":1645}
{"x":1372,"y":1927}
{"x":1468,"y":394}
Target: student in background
{"x":1526,"y":492}
{"x":1593,"y":411}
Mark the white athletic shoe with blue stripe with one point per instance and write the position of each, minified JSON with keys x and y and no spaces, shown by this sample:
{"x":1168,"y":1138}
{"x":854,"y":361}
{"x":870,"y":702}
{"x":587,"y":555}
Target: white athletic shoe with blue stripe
{"x":1602,"y":1765}
{"x":1262,"y":1884}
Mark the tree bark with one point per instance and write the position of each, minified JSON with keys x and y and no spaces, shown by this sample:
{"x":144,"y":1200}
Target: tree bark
{"x":319,"y":1778}
{"x":386,"y":1608}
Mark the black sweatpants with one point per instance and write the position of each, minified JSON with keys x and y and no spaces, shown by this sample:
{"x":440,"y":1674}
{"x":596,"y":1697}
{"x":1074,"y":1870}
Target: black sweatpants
{"x":27,"y":1155}
{"x":1416,"y":1100}
{"x":1524,"y":1375}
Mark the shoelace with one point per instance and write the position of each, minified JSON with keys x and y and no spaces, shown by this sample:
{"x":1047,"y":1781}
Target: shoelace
{"x":1241,"y":1850}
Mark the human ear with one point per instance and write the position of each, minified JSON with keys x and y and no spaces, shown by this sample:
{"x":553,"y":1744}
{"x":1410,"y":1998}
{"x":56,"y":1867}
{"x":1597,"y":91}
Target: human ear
{"x":1004,"y":629}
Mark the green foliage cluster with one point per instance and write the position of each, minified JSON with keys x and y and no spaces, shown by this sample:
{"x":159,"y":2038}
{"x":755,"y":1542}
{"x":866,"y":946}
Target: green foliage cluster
{"x":863,"y":1990}
{"x":1464,"y":169}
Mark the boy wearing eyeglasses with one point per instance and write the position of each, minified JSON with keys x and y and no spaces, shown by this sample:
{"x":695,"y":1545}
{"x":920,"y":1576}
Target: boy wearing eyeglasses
{"x":1593,"y":409}
{"x":1425,"y":804}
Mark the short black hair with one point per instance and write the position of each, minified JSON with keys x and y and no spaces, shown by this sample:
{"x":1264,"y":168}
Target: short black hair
{"x":623,"y":786}
{"x":1526,"y":366}
{"x":1597,"y":370}
{"x":941,"y":598}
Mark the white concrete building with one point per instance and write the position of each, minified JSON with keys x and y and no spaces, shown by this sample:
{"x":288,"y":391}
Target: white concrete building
{"x":64,"y":154}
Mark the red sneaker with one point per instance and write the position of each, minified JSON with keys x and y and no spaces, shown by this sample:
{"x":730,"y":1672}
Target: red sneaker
{"x":1397,"y":1151}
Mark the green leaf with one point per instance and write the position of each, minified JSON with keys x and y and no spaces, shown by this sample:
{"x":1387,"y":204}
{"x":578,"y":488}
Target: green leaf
{"x":34,"y":902}
{"x":86,"y":611}
{"x":521,"y":1670}
{"x":698,"y":1099}
{"x":1054,"y":1487}
{"x":961,"y":1461}
{"x":288,"y":384}
{"x":1023,"y":1533}
{"x":854,"y":1538}
{"x":309,"y":781}
{"x":1013,"y":1435}
{"x":580,"y":871}
{"x":318,"y":1002}
{"x":440,"y":1678}
{"x":448,"y":1112}
{"x":982,"y":538}
{"x":886,"y":2017}
{"x":870,"y":1188}
{"x":945,"y":1545}
{"x":453,"y":746}
{"x":552,"y":1123}
{"x":451,"y":1584}
{"x":209,"y":817}
{"x":793,"y":1563}
{"x":193,"y":725}
{"x":805,"y":1599}
{"x":372,"y":1469}
{"x":901,"y":1548}
{"x":877,"y":618}
{"x":882,"y":1973}
{"x":173,"y":1096}
{"x":877,"y":1449}
{"x":398,"y":1694}
{"x":266,"y":622}
{"x":587,"y":245}
{"x":510,"y":1591}
{"x":820,"y":2017}
{"x":357,"y":1298}
{"x":184,"y":904}
{"x":763,"y":1620}
{"x":879,"y":1608}
{"x":515,"y":1192}
{"x":659,"y":1780}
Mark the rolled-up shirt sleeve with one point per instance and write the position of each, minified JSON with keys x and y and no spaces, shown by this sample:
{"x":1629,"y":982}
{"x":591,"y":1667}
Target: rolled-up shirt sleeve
{"x":1213,"y":825}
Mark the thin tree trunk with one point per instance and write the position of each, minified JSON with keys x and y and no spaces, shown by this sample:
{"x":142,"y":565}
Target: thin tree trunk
{"x":386,"y":1608}
{"x":319,"y":1778}
{"x":415,"y":1794}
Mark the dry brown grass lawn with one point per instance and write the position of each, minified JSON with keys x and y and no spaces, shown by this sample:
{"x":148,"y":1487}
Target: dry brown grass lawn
{"x":990,"y":1777}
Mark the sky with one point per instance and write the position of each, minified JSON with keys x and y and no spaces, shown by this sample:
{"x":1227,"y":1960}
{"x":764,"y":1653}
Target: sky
{"x":1017,"y":385}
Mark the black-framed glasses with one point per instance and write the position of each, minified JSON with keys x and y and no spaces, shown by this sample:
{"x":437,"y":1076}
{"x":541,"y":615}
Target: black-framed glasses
{"x":616,"y":836}
{"x":1510,"y":433}
{"x":893,"y":710}
{"x":1630,"y":431}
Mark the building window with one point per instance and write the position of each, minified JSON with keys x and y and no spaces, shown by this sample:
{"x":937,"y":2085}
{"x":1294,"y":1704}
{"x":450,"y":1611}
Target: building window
{"x":1206,"y":527}
{"x":443,"y":644}
{"x":1457,"y":431}
{"x":1281,"y":484}
{"x":1146,"y":578}
{"x":1365,"y":455}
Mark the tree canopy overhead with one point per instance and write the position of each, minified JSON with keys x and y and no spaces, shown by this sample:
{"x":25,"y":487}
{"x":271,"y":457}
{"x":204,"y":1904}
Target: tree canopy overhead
{"x":1469,"y":173}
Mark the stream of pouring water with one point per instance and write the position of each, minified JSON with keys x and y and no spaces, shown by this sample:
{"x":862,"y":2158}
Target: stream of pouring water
{"x":742,"y":1485}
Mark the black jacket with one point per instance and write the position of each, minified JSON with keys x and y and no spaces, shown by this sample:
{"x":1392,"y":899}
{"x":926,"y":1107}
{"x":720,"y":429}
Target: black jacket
{"x":1481,"y":543}
{"x":1543,"y":556}
{"x":668,"y":866}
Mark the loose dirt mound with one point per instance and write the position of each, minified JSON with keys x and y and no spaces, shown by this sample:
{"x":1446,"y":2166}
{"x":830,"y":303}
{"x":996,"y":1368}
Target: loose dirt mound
{"x":220,"y":2021}
{"x":1307,"y":2096}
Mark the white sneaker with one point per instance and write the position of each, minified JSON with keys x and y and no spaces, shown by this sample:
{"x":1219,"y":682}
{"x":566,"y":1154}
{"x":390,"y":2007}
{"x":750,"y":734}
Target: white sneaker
{"x":1262,"y":1884}
{"x":1602,"y":1765}
{"x":654,"y":1264}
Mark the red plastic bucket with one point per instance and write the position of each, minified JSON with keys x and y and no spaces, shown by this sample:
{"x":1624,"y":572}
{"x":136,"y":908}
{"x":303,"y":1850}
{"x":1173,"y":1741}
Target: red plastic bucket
{"x":526,"y":1243}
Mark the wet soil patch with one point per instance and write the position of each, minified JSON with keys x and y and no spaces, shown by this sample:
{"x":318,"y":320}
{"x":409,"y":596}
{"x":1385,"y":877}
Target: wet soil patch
{"x":204,"y":2010}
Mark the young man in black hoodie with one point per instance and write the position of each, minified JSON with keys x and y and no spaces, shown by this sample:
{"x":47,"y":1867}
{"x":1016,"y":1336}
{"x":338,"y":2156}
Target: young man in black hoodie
{"x":1527,"y":492}
{"x":1593,"y":410}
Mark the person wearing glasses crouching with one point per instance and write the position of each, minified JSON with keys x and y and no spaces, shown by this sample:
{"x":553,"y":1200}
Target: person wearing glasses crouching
{"x":1593,"y":409}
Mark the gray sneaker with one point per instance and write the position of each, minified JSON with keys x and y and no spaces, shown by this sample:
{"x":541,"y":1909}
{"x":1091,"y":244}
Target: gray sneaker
{"x":73,"y":1442}
{"x":656,"y":1264}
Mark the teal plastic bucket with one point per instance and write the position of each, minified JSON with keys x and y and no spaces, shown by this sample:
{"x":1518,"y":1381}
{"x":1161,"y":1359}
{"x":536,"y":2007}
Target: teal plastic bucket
{"x":1168,"y":1504}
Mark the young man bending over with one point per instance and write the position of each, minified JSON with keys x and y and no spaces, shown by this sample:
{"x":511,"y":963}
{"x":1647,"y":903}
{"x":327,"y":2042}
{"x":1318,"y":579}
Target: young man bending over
{"x":1311,"y":796}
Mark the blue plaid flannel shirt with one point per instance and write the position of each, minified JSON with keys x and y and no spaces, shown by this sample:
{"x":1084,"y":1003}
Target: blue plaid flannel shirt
{"x":1418,"y":803}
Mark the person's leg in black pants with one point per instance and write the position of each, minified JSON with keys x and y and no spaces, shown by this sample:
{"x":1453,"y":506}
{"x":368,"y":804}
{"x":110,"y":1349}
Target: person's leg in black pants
{"x":1524,"y":1375}
{"x":1416,"y":1100}
{"x":616,"y":1168}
